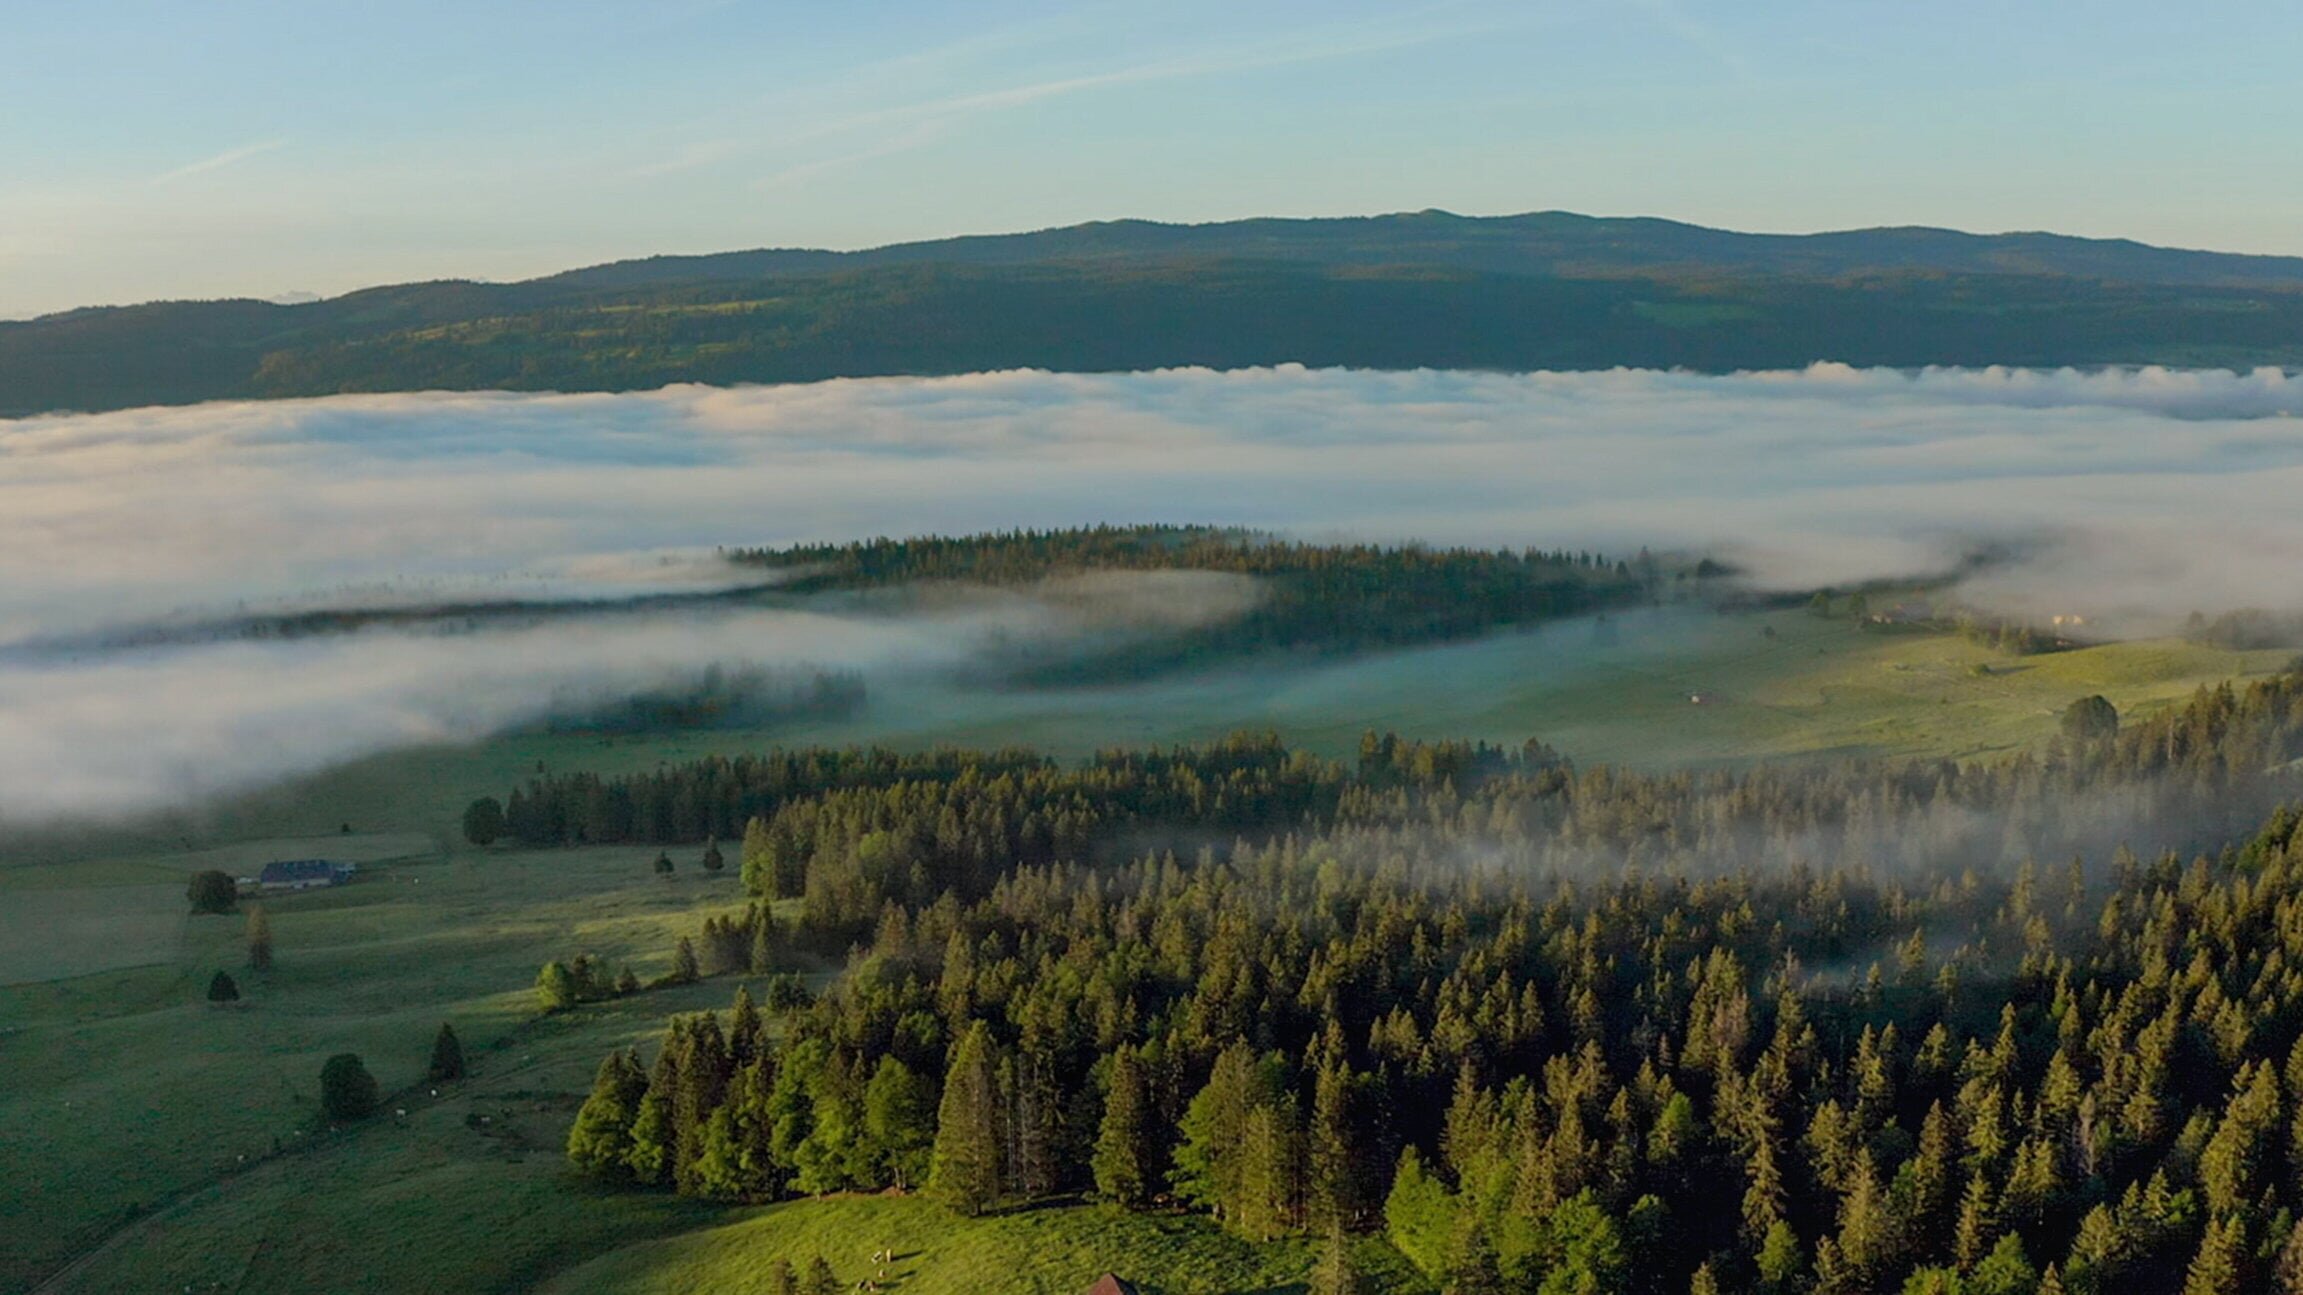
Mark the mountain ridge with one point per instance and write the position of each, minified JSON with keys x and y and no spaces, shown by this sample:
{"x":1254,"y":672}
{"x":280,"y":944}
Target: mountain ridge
{"x":1422,"y":289}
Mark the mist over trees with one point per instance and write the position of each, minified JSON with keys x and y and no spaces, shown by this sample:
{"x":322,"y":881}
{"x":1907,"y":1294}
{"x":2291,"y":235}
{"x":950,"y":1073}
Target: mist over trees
{"x":1382,"y":998}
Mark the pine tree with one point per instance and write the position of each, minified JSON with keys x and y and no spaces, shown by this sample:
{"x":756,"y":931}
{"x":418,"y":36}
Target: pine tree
{"x":600,"y":1142}
{"x":1704,"y":1282}
{"x":1123,"y":1167}
{"x":2215,"y":1269}
{"x":899,"y":1123}
{"x":447,"y":1056}
{"x":684,"y":968}
{"x":1268,"y":1171}
{"x":747,"y":1034}
{"x":1781,"y":1261}
{"x":758,"y":865}
{"x":1214,"y":1130}
{"x":555,"y":987}
{"x":221,"y":989}
{"x":1474,"y":1269}
{"x":1337,"y":1272}
{"x":820,"y":1278}
{"x":654,"y":1130}
{"x":259,"y":938}
{"x":1332,"y":1195}
{"x":964,"y":1168}
{"x":347,"y":1091}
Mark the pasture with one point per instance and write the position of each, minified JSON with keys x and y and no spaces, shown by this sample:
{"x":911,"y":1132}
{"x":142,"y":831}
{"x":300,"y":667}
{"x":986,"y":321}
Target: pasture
{"x":157,"y":1142}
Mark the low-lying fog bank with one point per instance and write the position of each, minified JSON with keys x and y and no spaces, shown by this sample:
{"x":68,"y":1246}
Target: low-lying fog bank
{"x":2131,"y":498}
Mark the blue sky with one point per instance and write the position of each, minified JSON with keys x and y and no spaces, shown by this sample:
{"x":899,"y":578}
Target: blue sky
{"x":158,"y":148}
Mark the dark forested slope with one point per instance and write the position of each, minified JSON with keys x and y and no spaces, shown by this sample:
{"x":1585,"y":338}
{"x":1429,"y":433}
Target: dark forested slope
{"x":1430,"y":289}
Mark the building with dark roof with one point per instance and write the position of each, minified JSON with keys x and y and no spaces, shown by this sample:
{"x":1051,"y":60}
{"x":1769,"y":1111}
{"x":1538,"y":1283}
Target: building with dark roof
{"x":301,"y":874}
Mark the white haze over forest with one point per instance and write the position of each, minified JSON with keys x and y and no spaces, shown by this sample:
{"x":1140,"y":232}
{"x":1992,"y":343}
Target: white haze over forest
{"x":2137,"y":497}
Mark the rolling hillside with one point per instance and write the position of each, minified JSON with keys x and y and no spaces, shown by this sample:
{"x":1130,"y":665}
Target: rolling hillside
{"x":1430,"y":289}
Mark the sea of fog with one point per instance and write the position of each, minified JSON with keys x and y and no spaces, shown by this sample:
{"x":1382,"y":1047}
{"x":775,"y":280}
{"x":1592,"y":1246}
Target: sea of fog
{"x":2130,"y":497}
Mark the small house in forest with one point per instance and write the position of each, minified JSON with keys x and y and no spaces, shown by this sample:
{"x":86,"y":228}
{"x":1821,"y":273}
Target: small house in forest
{"x":300,"y":874}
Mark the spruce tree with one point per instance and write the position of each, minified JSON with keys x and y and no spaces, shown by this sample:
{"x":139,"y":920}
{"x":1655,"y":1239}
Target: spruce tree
{"x":747,"y":1034}
{"x":654,"y":1132}
{"x":600,"y":1142}
{"x":2215,"y":1269}
{"x":221,"y":989}
{"x":1337,"y":1272}
{"x":899,"y":1123}
{"x":347,"y":1091}
{"x":1331,"y":1188}
{"x":1123,"y":1170}
{"x":684,"y":968}
{"x":820,"y":1278}
{"x":555,"y":987}
{"x":964,"y":1168}
{"x":259,"y":938}
{"x":447,"y":1056}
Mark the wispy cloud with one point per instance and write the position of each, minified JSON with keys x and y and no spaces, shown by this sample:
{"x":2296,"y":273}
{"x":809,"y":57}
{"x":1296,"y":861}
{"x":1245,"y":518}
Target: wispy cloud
{"x":229,"y":157}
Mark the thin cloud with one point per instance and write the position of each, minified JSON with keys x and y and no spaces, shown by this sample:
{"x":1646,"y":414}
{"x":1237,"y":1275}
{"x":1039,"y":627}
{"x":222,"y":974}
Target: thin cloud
{"x":229,"y":157}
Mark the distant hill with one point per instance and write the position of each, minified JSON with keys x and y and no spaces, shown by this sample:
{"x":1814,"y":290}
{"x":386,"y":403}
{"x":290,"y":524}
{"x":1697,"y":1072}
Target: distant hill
{"x":1547,"y":244}
{"x":1547,"y":290}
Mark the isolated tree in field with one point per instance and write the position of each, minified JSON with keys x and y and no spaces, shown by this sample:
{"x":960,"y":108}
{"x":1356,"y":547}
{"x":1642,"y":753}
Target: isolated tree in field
{"x":713,"y":860}
{"x":2090,"y":719}
{"x":259,"y":938}
{"x":781,"y":1279}
{"x":213,"y":892}
{"x":1123,"y":1169}
{"x":484,"y":821}
{"x":600,"y":1141}
{"x":347,"y":1090}
{"x":663,"y":864}
{"x":684,"y":968}
{"x":820,"y":1278}
{"x":964,"y":1170}
{"x":447,"y":1056}
{"x":555,"y":987}
{"x":221,"y":989}
{"x":627,"y":981}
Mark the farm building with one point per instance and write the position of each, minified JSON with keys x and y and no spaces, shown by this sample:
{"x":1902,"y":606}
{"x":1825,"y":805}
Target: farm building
{"x":299,"y":874}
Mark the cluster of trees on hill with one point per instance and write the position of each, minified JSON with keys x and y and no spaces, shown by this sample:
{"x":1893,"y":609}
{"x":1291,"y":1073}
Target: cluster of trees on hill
{"x":1814,"y":1063}
{"x":1311,"y":597}
{"x":846,"y":831}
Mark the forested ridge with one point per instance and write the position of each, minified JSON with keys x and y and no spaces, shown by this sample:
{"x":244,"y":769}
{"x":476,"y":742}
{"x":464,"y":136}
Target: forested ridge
{"x":1834,"y":1028}
{"x":1324,"y":598}
{"x":1548,"y":291}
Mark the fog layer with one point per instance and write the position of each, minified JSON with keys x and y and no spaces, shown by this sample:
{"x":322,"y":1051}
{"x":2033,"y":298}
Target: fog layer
{"x":2138,"y":496}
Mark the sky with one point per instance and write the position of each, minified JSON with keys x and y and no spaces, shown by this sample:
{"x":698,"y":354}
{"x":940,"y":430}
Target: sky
{"x":155,"y":149}
{"x":2132,"y":498}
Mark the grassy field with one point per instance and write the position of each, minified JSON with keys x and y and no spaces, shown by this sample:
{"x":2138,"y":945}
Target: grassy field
{"x":125,"y":1086}
{"x":1053,"y":1251}
{"x":130,"y":1100}
{"x":1814,"y":687}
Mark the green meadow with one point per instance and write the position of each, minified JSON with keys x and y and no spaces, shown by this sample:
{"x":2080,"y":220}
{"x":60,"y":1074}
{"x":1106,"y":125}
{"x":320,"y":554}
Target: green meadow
{"x":157,"y":1142}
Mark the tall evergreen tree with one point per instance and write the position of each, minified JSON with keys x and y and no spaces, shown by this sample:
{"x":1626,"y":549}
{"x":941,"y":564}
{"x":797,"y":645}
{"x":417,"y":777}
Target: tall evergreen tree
{"x":600,"y":1141}
{"x":1338,"y":1271}
{"x":222,"y":989}
{"x":964,"y":1170}
{"x":447,"y":1056}
{"x":1124,"y":1169}
{"x":555,"y":987}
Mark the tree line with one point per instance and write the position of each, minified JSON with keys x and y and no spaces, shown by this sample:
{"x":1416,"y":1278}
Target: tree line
{"x":1810,"y":1064}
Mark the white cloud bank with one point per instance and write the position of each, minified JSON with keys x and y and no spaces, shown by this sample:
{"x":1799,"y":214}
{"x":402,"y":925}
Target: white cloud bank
{"x":2146,"y":494}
